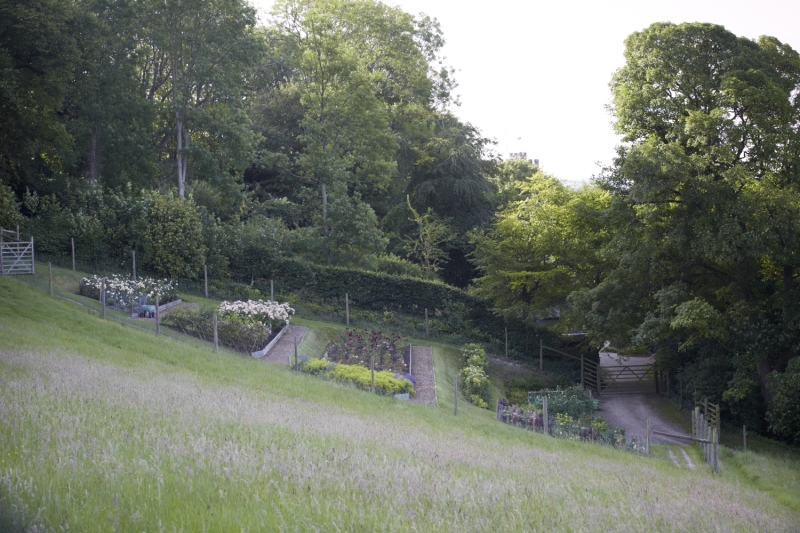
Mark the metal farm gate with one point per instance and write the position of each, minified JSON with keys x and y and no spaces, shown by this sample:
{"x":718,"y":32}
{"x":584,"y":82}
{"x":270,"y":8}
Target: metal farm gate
{"x":16,"y":256}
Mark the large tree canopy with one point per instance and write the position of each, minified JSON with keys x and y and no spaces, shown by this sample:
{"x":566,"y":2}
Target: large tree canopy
{"x":707,"y":207}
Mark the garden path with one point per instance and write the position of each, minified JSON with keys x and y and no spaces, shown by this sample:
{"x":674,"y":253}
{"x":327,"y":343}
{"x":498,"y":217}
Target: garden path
{"x":283,"y":351}
{"x":422,"y":370}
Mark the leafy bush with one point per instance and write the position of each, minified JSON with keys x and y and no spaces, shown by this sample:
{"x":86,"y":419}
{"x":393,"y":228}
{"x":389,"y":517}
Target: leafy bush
{"x":574,"y":402}
{"x":258,"y":312}
{"x":122,"y":289}
{"x":474,"y":355}
{"x":475,"y":384}
{"x":234,"y":332}
{"x":784,"y":413}
{"x":386,"y":383}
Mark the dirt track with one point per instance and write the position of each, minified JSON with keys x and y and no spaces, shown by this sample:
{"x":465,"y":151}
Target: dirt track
{"x":631,"y":412}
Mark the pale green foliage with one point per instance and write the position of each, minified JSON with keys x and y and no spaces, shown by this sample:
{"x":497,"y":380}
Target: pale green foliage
{"x":542,"y":247}
{"x":784,"y":413}
{"x":425,"y":245}
{"x":475,"y":384}
{"x":174,"y":238}
{"x":10,"y":216}
{"x":474,"y":355}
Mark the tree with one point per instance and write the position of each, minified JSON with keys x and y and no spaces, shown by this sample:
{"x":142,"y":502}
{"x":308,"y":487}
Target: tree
{"x":195,"y":58}
{"x":707,"y":205}
{"x":542,"y":248}
{"x":38,"y":52}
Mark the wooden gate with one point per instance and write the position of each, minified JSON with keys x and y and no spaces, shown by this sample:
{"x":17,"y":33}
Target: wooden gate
{"x":16,"y":256}
{"x":589,"y":371}
{"x":627,"y":379}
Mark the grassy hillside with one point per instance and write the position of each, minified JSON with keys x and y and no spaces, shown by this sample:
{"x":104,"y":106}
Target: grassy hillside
{"x":105,"y":427}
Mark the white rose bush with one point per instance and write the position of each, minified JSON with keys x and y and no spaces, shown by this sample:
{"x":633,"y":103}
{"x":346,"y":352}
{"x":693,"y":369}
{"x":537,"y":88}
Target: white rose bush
{"x":123,"y":289}
{"x":243,"y":326}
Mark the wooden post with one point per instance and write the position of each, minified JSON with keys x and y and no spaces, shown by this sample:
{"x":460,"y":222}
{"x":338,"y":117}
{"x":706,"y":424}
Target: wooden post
{"x":426,"y":324}
{"x":545,"y":417}
{"x":680,"y":394}
{"x":73,"y":253}
{"x":205,"y":278}
{"x":667,"y":384}
{"x":455,"y":392}
{"x":33,"y":263}
{"x":158,"y":318}
{"x":216,"y":333}
{"x":296,"y":362}
{"x":715,"y":447}
{"x":372,"y":370}
{"x":410,"y":354}
{"x":506,"y":342}
{"x":17,"y":231}
{"x":347,"y":309}
{"x":2,"y":268}
{"x":744,"y":438}
{"x":581,"y":370}
{"x":541,"y":349}
{"x":271,"y":291}
{"x":50,"y":269}
{"x":647,"y":441}
{"x":103,"y":296}
{"x":133,"y":262}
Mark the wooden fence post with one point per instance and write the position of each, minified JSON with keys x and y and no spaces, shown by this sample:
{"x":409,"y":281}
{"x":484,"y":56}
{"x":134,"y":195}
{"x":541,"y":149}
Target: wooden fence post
{"x":506,"y":342}
{"x":216,"y":333}
{"x":545,"y":417}
{"x":455,"y":392}
{"x":426,"y":322}
{"x":372,"y":371}
{"x":2,"y":268}
{"x":33,"y":263}
{"x":158,"y":318}
{"x":296,"y":362}
{"x":205,"y":278}
{"x":50,"y":269}
{"x":347,"y":309}
{"x":647,"y":441}
{"x":133,"y":262}
{"x":581,"y":370}
{"x":17,"y":231}
{"x":541,"y":350}
{"x":73,"y":253}
{"x":103,"y":296}
{"x":272,"y":290}
{"x":715,"y":450}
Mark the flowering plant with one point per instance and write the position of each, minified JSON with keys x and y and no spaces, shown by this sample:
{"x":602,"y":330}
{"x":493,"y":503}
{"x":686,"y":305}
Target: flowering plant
{"x":255,"y":313}
{"x":123,"y":288}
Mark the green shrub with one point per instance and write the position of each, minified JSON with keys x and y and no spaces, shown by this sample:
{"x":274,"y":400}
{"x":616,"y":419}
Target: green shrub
{"x":784,"y":412}
{"x":317,"y":366}
{"x":385,"y":382}
{"x":475,"y":383}
{"x":474,"y":355}
{"x":574,"y":402}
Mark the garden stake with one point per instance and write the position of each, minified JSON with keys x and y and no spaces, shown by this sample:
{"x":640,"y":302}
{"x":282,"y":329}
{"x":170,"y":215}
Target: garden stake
{"x":73,"y":253}
{"x":103,"y":297}
{"x":372,"y":369}
{"x":158,"y":318}
{"x":216,"y":335}
{"x":50,"y":269}
{"x":347,"y":309}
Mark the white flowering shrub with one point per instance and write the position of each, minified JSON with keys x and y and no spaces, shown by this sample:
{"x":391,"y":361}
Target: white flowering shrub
{"x":257,"y":312}
{"x":123,"y":288}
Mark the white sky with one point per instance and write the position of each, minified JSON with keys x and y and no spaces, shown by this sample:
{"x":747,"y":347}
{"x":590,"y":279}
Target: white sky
{"x":534,"y":75}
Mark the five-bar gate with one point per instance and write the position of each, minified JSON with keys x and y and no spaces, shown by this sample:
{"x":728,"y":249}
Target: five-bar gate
{"x":16,"y":256}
